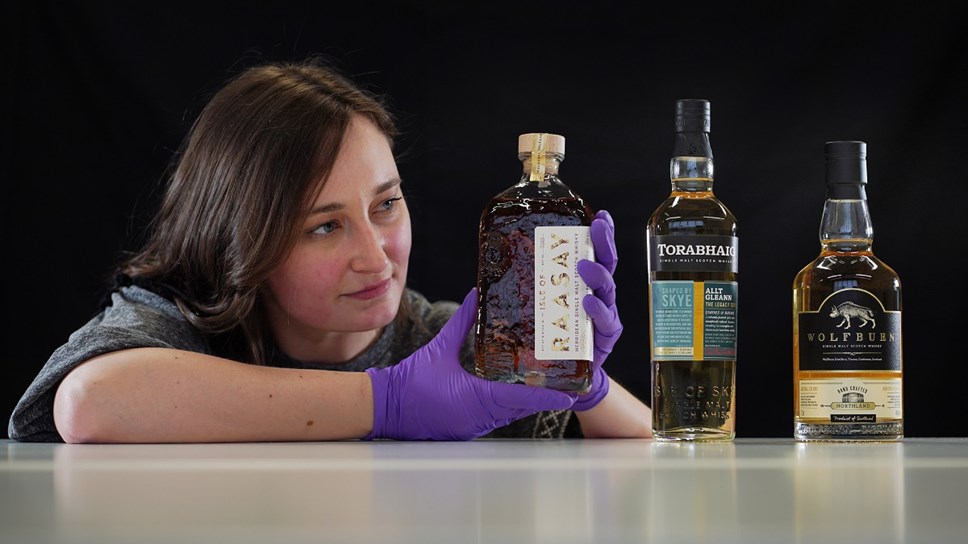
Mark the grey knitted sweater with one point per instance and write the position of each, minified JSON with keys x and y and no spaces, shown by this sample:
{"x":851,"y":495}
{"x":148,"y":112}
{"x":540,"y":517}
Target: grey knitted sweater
{"x":138,"y":317}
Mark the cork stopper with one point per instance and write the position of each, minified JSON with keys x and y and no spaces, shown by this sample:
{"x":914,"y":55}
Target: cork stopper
{"x":539,"y":145}
{"x":541,"y":141}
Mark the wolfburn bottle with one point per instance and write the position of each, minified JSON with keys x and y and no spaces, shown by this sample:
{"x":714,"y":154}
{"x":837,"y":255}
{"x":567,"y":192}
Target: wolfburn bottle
{"x":531,"y":327}
{"x":693,"y":293}
{"x":847,"y":371}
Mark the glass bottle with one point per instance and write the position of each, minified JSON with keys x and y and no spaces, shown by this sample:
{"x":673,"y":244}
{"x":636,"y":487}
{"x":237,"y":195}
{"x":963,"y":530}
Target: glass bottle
{"x":693,"y":266}
{"x":531,"y":327}
{"x":847,"y":358}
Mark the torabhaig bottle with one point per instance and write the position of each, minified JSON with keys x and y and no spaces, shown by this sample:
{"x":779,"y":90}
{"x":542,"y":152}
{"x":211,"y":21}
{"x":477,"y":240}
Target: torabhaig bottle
{"x":531,"y":327}
{"x":693,"y":263}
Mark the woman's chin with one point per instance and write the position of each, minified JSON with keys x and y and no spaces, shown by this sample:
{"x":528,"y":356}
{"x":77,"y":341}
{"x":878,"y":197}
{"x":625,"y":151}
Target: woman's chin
{"x":377,"y":317}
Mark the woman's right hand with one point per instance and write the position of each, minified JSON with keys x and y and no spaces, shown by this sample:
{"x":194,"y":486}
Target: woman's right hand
{"x":429,"y":395}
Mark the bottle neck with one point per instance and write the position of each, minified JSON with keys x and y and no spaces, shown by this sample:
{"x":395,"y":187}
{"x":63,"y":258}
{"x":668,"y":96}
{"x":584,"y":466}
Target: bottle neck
{"x":540,"y":171}
{"x":846,"y":225}
{"x":691,"y":168}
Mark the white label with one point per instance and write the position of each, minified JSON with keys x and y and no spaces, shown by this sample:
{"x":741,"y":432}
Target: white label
{"x":562,"y":330}
{"x":848,"y":399}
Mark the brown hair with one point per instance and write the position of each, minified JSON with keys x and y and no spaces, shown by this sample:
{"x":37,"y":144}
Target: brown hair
{"x":245,"y":176}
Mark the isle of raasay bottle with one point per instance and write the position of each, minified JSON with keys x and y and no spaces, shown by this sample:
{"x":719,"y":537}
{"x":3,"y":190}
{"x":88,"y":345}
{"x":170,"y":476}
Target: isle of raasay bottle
{"x":531,"y":327}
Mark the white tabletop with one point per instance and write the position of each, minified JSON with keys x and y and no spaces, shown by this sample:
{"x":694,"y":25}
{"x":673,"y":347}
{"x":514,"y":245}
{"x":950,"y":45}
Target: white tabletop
{"x":559,"y":491}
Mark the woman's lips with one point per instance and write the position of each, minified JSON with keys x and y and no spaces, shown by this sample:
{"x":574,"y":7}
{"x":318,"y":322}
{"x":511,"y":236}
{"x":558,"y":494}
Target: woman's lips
{"x":371,"y":291}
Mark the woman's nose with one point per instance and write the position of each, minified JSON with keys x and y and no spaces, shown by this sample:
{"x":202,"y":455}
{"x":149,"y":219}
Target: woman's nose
{"x":369,"y":255}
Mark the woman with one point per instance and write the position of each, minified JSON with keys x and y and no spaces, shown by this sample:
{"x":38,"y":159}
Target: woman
{"x":277,"y":263}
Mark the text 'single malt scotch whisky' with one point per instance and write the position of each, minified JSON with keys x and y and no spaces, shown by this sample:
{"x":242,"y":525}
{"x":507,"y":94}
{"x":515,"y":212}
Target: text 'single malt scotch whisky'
{"x":693,"y":293}
{"x":847,"y":370}
{"x":531,"y":327}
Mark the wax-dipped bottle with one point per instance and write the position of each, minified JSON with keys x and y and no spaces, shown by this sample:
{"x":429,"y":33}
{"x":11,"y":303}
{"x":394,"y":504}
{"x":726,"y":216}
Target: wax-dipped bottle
{"x":693,"y":264}
{"x":531,"y":327}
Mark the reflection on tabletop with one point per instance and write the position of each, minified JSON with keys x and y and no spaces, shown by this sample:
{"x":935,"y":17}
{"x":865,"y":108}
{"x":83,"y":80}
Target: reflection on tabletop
{"x":768,"y":490}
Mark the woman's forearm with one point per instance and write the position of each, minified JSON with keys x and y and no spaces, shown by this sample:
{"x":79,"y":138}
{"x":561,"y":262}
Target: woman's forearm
{"x":619,"y":415}
{"x":166,"y":395}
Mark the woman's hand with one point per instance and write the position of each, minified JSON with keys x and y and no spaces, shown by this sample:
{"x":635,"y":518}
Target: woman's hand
{"x":600,"y":305}
{"x":429,"y":395}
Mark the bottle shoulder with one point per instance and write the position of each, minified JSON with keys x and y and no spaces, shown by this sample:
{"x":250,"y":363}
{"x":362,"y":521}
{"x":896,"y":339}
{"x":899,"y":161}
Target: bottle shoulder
{"x":695,"y":200}
{"x":860,"y":268}
{"x":693,"y":213}
{"x":886,"y":267}
{"x":532,"y":198}
{"x":551,"y":188}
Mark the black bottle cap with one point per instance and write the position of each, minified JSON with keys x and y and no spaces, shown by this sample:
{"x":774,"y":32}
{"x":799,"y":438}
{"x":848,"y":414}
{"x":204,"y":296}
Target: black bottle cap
{"x":692,"y":115}
{"x":846,"y":169}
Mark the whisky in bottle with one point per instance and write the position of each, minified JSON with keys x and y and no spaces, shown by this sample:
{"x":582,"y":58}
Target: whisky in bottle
{"x":693,"y":266}
{"x":531,"y":327}
{"x":847,"y":364}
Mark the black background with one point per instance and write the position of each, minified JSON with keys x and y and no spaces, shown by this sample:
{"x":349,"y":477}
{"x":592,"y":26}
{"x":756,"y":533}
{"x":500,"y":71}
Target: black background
{"x":98,"y":95}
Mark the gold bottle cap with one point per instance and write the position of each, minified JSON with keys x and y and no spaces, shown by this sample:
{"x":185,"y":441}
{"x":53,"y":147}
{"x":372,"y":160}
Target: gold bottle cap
{"x":541,"y":141}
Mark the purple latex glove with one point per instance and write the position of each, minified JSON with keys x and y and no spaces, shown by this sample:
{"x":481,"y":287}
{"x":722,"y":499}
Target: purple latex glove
{"x":600,"y":305}
{"x":429,"y":395}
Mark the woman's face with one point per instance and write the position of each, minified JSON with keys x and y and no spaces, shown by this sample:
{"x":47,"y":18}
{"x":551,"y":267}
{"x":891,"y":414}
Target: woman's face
{"x":348,"y":269}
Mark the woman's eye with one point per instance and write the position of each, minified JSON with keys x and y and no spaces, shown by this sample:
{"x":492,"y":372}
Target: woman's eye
{"x":325,"y":228}
{"x":390,"y":203}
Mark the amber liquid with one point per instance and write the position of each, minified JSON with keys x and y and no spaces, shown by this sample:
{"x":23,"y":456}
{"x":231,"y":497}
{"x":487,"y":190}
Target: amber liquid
{"x":693,"y":400}
{"x":504,"y":332}
{"x":812,"y":285}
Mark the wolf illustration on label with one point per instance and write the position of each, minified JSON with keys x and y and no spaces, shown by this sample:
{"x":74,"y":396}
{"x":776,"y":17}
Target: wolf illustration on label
{"x":848,"y":310}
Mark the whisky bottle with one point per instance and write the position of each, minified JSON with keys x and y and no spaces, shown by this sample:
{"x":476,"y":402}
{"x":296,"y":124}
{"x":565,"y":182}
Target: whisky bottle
{"x":847,"y":371}
{"x":692,"y":247}
{"x":531,"y":327}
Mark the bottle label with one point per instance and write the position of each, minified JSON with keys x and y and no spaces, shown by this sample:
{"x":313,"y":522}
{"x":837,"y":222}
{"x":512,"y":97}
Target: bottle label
{"x":693,"y":320}
{"x":677,"y":253}
{"x":562,"y":330}
{"x":850,"y":331}
{"x":848,"y":400}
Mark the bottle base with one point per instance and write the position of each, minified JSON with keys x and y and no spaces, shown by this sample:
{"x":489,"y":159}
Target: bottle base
{"x":889,"y":431}
{"x":693,"y":434}
{"x":537,"y":379}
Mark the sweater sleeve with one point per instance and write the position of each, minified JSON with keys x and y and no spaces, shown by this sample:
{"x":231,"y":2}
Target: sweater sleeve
{"x":136,"y":318}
